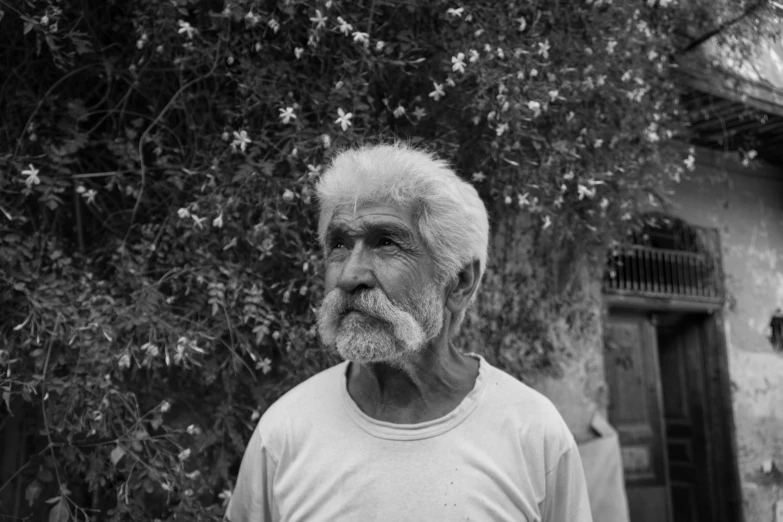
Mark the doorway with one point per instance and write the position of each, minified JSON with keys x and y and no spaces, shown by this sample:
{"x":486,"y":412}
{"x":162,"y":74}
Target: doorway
{"x":669,"y":401}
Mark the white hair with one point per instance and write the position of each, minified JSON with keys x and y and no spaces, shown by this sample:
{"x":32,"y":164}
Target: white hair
{"x":448,"y":213}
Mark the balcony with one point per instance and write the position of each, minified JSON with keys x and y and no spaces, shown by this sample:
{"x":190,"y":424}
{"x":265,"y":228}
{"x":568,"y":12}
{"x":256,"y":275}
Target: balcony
{"x":669,"y":263}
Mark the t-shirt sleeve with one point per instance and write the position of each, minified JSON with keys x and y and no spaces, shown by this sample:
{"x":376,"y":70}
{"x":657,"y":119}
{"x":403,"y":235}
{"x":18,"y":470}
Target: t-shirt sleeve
{"x":566,"y":492}
{"x":252,"y":499}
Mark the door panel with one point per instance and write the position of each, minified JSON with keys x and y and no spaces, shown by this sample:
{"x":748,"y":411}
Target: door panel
{"x":682,"y":369}
{"x":635,"y":410}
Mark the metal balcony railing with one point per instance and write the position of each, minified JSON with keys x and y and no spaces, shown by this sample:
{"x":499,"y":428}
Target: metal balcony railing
{"x":693,"y":273}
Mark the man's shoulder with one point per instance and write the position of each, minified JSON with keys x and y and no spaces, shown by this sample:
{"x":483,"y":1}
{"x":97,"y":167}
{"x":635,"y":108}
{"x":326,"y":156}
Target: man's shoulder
{"x":510,"y":389}
{"x":523,"y":403}
{"x":315,"y":393}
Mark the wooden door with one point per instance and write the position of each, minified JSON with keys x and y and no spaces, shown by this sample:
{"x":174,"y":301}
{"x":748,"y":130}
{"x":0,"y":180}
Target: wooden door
{"x":682,"y":358}
{"x":635,"y":410}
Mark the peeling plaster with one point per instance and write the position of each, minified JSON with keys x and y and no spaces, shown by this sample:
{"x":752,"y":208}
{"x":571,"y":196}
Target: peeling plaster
{"x":747,"y":208}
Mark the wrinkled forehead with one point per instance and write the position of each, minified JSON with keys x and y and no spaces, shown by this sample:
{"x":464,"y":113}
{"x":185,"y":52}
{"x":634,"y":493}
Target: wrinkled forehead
{"x":354,"y":212}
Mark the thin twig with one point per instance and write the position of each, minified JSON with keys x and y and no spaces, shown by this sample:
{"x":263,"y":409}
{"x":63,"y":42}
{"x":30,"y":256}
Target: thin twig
{"x":43,"y":401}
{"x":146,"y":132}
{"x":18,"y":471}
{"x":41,"y":102}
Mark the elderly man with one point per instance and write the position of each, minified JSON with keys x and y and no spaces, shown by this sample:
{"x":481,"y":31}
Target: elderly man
{"x":407,"y":428}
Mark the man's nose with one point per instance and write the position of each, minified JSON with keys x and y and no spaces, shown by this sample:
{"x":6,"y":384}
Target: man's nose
{"x":356,"y":273}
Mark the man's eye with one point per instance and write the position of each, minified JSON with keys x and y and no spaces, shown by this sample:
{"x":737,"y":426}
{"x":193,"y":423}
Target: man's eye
{"x":336,"y":245}
{"x":385,"y":242}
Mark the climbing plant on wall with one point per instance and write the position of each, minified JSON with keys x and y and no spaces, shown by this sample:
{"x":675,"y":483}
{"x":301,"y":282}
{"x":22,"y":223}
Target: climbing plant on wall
{"x":158,"y":270}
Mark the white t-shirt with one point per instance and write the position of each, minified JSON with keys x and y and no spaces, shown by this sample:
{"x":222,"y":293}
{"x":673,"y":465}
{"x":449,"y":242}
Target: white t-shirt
{"x":504,"y":454}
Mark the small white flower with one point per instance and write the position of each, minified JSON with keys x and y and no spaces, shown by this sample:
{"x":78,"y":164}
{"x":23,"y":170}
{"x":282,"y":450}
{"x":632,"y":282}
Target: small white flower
{"x":345,"y":27}
{"x":287,"y":115}
{"x":298,"y":51}
{"x":326,"y":140}
{"x":501,"y":129}
{"x":230,"y":60}
{"x":379,"y":45}
{"x":474,"y":55}
{"x":265,"y":365}
{"x":31,"y":174}
{"x":543,"y":49}
{"x":585,"y":192}
{"x":360,"y":37}
{"x":610,"y":45}
{"x":226,"y":496}
{"x":319,"y":20}
{"x":604,"y":203}
{"x":450,"y":82}
{"x":652,"y":55}
{"x":186,"y":28}
{"x":752,"y":154}
{"x":500,"y":53}
{"x":313,"y":170}
{"x":288,"y":196}
{"x":255,"y":415}
{"x":165,"y":406}
{"x":184,"y":454}
{"x":690,"y":163}
{"x":522,"y":200}
{"x":344,"y":119}
{"x":507,"y":200}
{"x":455,"y":12}
{"x":151,"y":349}
{"x":142,"y":41}
{"x":438,"y":93}
{"x":218,"y":221}
{"x":478,"y":177}
{"x":626,"y":76}
{"x":458,"y":63}
{"x":568,"y":176}
{"x":274,"y":25}
{"x":183,"y":213}
{"x":419,"y":113}
{"x":124,"y":361}
{"x":535,"y":107}
{"x":252,"y":19}
{"x":553,"y":94}
{"x":90,"y":196}
{"x":241,"y":140}
{"x":533,"y":73}
{"x":399,"y":111}
{"x":193,"y":430}
{"x":522,"y":23}
{"x":258,"y":47}
{"x":598,"y":143}
{"x":547,"y":223}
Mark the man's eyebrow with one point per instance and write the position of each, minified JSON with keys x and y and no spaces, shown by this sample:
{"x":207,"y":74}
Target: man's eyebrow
{"x":398,"y":232}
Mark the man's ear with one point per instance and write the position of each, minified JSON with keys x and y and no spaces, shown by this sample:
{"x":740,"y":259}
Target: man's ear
{"x":463,"y":287}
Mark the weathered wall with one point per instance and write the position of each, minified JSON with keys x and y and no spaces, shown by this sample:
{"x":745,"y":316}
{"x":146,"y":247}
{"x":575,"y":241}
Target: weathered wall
{"x":746,"y":204}
{"x":538,"y":316}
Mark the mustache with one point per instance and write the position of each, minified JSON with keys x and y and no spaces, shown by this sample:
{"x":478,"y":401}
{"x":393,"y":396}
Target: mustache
{"x":372,"y":302}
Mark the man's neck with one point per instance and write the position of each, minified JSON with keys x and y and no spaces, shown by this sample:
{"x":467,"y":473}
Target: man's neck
{"x":428,"y":387}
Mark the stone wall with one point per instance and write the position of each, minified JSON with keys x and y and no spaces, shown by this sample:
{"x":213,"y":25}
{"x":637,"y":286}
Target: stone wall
{"x":746,"y":205}
{"x":538,"y":316}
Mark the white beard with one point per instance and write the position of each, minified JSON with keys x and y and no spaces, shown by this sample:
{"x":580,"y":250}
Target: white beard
{"x":379,"y":331}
